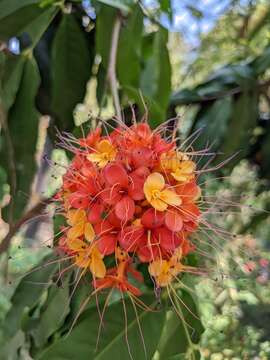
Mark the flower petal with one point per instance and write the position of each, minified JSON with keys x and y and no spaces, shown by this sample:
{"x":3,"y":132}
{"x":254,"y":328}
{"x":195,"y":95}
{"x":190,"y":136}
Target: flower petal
{"x":89,"y":232}
{"x":115,"y":174}
{"x":152,"y":219}
{"x":170,"y":197}
{"x":173,"y":220}
{"x":107,"y":244}
{"x":125,"y":208}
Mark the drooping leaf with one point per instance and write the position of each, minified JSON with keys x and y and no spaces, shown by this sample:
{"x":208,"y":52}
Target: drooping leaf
{"x":27,"y":295}
{"x":242,"y":123}
{"x":11,"y":81}
{"x":23,"y":127}
{"x":115,"y":334}
{"x":213,"y":120}
{"x":53,"y":313}
{"x":129,"y":50}
{"x":105,"y":21}
{"x":71,"y":69}
{"x":156,"y":77}
{"x":17,"y":17}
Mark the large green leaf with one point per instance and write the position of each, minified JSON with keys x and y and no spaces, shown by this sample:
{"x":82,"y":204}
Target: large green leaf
{"x":240,"y":129}
{"x":115,"y":335}
{"x":17,"y":17}
{"x":213,"y":120}
{"x":71,"y":69}
{"x":27,"y":295}
{"x":129,"y":50}
{"x":53,"y":313}
{"x":179,"y":336}
{"x":104,"y":27}
{"x":11,"y":81}
{"x":23,"y":128}
{"x":9,"y":7}
{"x":156,"y":77}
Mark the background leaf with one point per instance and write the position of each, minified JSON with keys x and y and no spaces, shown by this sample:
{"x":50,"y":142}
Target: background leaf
{"x":71,"y":69}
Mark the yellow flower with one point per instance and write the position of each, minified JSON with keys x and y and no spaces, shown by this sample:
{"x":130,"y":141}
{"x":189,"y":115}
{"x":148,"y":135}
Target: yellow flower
{"x":164,"y":271}
{"x":80,"y":226}
{"x":88,"y":256}
{"x":181,"y":168}
{"x":105,"y":152}
{"x":185,"y":171}
{"x":157,"y":195}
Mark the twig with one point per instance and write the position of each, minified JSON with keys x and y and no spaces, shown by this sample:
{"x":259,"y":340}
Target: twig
{"x":112,"y":66}
{"x":37,"y":209}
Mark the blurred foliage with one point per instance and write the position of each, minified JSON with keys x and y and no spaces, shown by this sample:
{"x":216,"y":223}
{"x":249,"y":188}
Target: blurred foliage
{"x":65,"y":45}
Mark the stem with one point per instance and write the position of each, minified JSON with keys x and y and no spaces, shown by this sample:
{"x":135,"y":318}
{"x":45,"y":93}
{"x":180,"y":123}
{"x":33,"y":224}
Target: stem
{"x":112,"y":66}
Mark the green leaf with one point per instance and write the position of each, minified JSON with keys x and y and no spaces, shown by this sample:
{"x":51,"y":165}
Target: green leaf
{"x":129,"y":50}
{"x":17,"y":17}
{"x":27,"y":295}
{"x":124,"y":5}
{"x":156,"y":113}
{"x":156,"y":77}
{"x":214,"y":119}
{"x":11,"y":81}
{"x":104,"y":26}
{"x":262,"y":62}
{"x":23,"y":129}
{"x":177,"y":335}
{"x":243,"y":121}
{"x":71,"y":69}
{"x":53,"y":313}
{"x":81,"y":343}
{"x":8,"y":7}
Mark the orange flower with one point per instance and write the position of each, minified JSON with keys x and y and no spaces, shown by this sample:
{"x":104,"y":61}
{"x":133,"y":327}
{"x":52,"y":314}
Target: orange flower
{"x":157,"y":195}
{"x":164,"y":271}
{"x":77,"y":219}
{"x":117,"y":276}
{"x":87,"y":256}
{"x":103,"y":154}
{"x":181,"y":168}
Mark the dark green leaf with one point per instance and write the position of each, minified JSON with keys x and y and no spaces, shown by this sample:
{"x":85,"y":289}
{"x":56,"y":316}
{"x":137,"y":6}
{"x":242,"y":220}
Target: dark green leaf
{"x":156,"y":76}
{"x":213,"y":119}
{"x":11,"y":81}
{"x":81,"y":343}
{"x":71,"y":69}
{"x":262,"y":62}
{"x":53,"y":313}
{"x":129,"y":50}
{"x":24,"y":16}
{"x":8,"y":7}
{"x":27,"y":295}
{"x":23,"y":129}
{"x":104,"y":26}
{"x":242,"y":123}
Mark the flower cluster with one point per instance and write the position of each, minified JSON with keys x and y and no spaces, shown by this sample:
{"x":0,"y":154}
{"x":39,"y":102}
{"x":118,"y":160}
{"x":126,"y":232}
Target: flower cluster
{"x":129,"y":196}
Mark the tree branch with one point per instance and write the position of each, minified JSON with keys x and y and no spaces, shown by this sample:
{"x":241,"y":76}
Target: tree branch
{"x":112,"y":66}
{"x":36,"y":210}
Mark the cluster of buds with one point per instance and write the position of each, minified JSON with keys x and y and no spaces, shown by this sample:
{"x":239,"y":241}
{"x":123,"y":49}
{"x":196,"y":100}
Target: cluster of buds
{"x":129,"y":196}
